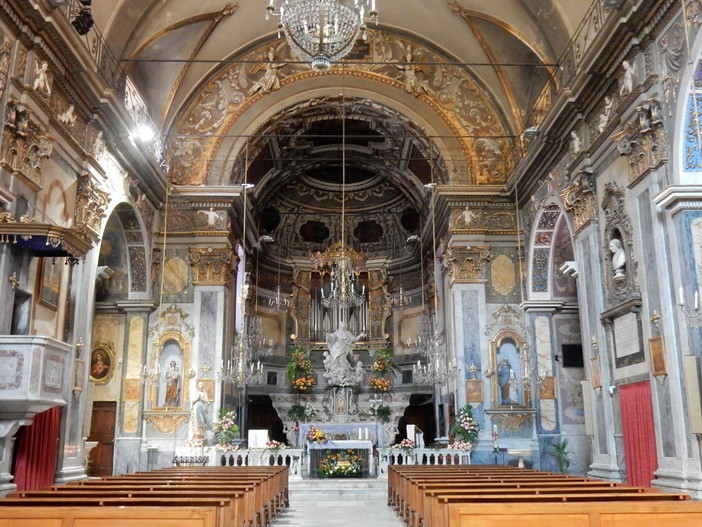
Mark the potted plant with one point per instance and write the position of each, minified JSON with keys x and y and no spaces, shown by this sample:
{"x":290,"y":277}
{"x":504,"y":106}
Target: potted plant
{"x":560,"y":450}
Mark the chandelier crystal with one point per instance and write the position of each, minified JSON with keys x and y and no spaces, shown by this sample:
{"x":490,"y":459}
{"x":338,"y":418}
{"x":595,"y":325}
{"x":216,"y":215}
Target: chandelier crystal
{"x":322,"y":31}
{"x":342,"y":264}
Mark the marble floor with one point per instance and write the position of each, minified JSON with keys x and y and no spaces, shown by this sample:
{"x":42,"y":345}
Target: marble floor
{"x":309,"y":513}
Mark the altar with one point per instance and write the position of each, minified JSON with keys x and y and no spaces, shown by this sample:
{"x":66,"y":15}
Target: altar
{"x":359,"y":447}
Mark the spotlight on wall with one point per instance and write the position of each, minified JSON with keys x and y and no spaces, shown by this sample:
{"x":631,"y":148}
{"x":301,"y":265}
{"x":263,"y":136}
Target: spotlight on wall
{"x":83,"y":21}
{"x":144,"y":133}
{"x":531,"y":133}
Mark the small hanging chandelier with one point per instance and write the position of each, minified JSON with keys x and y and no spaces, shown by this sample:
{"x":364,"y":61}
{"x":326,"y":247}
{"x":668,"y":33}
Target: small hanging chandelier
{"x":322,"y":31}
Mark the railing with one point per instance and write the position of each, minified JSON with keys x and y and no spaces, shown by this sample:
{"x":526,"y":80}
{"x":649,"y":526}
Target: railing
{"x":247,"y":457}
{"x":568,"y":67}
{"x":421,"y":456}
{"x":106,"y":63}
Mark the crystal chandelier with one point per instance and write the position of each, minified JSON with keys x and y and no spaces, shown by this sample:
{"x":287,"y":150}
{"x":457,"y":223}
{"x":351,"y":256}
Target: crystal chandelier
{"x":322,"y":31}
{"x":434,"y":368}
{"x":340,"y":262}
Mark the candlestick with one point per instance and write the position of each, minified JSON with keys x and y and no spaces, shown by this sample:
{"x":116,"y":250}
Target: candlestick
{"x":681,"y":296}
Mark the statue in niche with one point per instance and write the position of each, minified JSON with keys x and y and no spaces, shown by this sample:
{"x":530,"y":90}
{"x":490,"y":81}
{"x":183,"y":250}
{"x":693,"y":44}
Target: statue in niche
{"x":508,"y":374}
{"x":627,"y":84}
{"x":606,"y":112}
{"x":199,"y":411}
{"x":507,"y":381}
{"x":618,"y":258}
{"x":172,"y":386}
{"x":338,"y":369}
{"x":41,"y":78}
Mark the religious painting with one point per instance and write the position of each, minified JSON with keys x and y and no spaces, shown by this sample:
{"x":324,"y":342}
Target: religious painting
{"x":474,"y":391}
{"x":507,"y":379}
{"x":102,"y":358}
{"x":131,"y":390}
{"x":49,"y":281}
{"x":547,"y":388}
{"x":208,"y":386}
{"x":595,"y":376}
{"x":657,"y":349}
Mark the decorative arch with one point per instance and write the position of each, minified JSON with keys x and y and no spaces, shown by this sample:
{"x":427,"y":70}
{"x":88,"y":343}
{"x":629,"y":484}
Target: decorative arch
{"x":449,"y":96}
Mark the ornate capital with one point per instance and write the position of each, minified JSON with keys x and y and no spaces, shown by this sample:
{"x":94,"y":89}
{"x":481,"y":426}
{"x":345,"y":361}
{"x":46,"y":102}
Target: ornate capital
{"x":579,"y":199}
{"x":467,"y":264}
{"x":643,"y":141}
{"x":91,"y":203}
{"x":211,"y":266}
{"x":25,"y":144}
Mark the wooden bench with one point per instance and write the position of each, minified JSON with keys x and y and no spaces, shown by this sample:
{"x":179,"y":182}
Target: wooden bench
{"x":485,"y":497}
{"x":239,"y":498}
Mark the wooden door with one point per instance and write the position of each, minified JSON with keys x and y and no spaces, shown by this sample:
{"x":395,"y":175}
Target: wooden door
{"x":102,"y":430}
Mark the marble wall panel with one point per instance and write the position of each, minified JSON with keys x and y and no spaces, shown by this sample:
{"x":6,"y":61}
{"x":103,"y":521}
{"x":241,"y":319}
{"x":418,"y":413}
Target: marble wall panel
{"x":135,"y":346}
{"x":470,"y":302}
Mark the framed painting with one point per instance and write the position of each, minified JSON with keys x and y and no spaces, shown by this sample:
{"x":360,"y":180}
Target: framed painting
{"x":595,"y":375}
{"x":474,"y":391}
{"x":49,"y":281}
{"x":78,"y":375}
{"x":547,"y":388}
{"x":657,"y":350}
{"x":102,"y":359}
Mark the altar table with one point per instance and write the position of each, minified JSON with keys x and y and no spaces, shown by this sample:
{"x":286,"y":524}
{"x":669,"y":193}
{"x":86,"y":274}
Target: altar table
{"x":362,"y":448}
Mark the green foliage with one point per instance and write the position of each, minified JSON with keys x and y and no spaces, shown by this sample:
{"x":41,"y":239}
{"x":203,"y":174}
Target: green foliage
{"x":560,"y":450}
{"x":297,"y":412}
{"x":383,"y":413}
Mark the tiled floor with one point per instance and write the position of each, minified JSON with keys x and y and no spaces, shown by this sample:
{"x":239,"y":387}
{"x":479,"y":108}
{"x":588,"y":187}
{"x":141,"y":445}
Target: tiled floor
{"x":334,"y":513}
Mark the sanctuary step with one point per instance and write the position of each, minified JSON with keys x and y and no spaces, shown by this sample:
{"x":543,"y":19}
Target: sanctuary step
{"x":331,"y":490}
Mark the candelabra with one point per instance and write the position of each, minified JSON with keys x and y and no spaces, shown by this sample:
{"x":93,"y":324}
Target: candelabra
{"x":150,"y":376}
{"x":401,"y":301}
{"x":691,"y":313}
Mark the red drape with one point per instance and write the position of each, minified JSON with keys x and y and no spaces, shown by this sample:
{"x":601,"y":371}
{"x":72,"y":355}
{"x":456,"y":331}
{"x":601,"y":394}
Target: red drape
{"x":37,"y":452}
{"x":639,"y":433}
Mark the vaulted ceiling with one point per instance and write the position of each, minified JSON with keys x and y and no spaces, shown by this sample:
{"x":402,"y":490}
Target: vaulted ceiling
{"x":441,"y":90}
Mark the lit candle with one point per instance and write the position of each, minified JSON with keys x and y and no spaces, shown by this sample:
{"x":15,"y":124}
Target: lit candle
{"x":365,"y":433}
{"x":494,"y":429}
{"x":359,"y":433}
{"x":681,"y":294}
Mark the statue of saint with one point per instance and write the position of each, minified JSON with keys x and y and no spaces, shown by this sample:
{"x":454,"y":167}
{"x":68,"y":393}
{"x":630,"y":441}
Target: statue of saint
{"x":172,"y":386}
{"x":336,"y":362}
{"x":507,"y":382}
{"x":199,"y":411}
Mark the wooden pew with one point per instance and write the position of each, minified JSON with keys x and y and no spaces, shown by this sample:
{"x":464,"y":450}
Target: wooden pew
{"x":246,"y":498}
{"x":463,"y":498}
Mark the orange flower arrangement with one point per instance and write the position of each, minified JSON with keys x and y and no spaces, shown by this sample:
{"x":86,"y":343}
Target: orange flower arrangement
{"x":380,"y":384}
{"x":302,"y":384}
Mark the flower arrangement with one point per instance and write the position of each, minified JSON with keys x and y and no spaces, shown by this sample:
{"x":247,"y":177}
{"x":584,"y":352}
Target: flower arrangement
{"x":380,"y":384}
{"x":344,"y":464}
{"x":461,"y":445}
{"x":465,"y":428}
{"x":315,"y":435}
{"x":226,"y":429}
{"x":381,"y":368}
{"x":405,"y":444}
{"x":275,"y":445}
{"x":227,"y":447}
{"x":299,"y":370}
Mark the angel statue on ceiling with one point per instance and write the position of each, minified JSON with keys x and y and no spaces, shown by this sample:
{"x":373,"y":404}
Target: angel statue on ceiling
{"x":412,"y":83}
{"x":270,"y":81}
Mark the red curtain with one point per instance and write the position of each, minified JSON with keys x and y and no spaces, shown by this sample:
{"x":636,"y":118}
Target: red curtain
{"x":639,"y":433}
{"x":37,"y":451}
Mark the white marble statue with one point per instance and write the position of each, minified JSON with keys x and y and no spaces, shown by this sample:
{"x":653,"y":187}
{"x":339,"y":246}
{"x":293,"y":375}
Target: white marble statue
{"x":199,"y":411}
{"x":338,"y":369}
{"x":618,"y":257}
